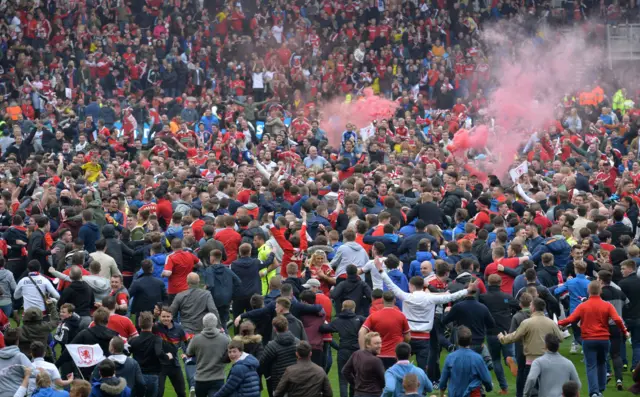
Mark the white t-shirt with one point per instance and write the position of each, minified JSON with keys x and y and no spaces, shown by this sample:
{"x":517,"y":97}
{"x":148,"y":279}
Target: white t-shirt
{"x":49,"y":367}
{"x":258,"y":80}
{"x":376,"y":279}
{"x":277,"y":33}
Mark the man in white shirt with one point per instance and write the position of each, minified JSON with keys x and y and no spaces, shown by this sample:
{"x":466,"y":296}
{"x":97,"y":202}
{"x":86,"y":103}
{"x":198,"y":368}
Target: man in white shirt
{"x":370,"y":267}
{"x":32,"y":293}
{"x":277,"y":31}
{"x":38,"y":349}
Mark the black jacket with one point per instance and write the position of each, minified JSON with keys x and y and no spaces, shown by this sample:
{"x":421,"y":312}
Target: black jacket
{"x":353,"y":288}
{"x":97,"y":334}
{"x":248,"y":270}
{"x":429,"y":212}
{"x":482,"y":251}
{"x":617,"y":230}
{"x":630,"y":285}
{"x":451,"y":202}
{"x":147,"y":291}
{"x":279,"y":354}
{"x":146,"y":349}
{"x":548,"y":276}
{"x":13,"y":234}
{"x":409,"y":245}
{"x":67,"y":330}
{"x":474,"y":316}
{"x":37,"y":249}
{"x":80,"y":295}
{"x":346,"y":325}
{"x":553,"y":307}
{"x":501,"y":306}
{"x":115,"y":248}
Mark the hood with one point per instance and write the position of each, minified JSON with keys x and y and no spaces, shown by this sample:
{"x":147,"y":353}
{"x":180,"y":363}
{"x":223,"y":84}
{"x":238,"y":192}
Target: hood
{"x":285,"y":339}
{"x":346,"y":314}
{"x":353,"y":245}
{"x":73,"y":321}
{"x":118,"y":358}
{"x":250,"y":206}
{"x":367,"y":202}
{"x":248,"y":339}
{"x":94,"y":228}
{"x":210,"y":333}
{"x":552,"y":270}
{"x":97,"y":283}
{"x":112,"y":386}
{"x":102,"y":333}
{"x":32,"y":315}
{"x":108,"y":231}
{"x":318,"y":220}
{"x":457,"y":192}
{"x":400,"y":370}
{"x":422,"y":256}
{"x":249,"y":361}
{"x":392,"y":237}
{"x":7,"y":353}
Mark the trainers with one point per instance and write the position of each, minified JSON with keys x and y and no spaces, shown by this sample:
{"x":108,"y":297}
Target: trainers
{"x":625,"y":367}
{"x":574,"y":348}
{"x":513,"y":367}
{"x":619,"y":385}
{"x":436,"y":386}
{"x":192,"y":392}
{"x":504,"y":392}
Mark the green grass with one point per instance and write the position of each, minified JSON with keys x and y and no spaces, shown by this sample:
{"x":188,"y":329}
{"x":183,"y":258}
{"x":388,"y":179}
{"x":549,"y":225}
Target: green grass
{"x":511,"y":380}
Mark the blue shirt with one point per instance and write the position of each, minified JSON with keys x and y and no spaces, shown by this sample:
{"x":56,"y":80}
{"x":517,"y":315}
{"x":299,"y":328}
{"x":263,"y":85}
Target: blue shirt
{"x":467,"y":371}
{"x":318,"y":162}
{"x":577,"y":288}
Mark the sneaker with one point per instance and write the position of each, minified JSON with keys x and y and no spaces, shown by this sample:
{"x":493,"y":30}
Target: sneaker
{"x":436,"y":386}
{"x":574,"y":348}
{"x":619,"y":385}
{"x":625,"y":367}
{"x":504,"y":392}
{"x":513,"y":367}
{"x":192,"y":392}
{"x":608,"y":377}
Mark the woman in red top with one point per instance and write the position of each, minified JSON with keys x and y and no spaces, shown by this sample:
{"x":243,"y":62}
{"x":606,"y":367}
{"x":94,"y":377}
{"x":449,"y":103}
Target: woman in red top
{"x":319,"y":268}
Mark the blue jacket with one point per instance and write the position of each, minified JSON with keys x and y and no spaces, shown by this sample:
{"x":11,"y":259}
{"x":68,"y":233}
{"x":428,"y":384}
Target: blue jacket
{"x":314,"y":223}
{"x":173,"y":232}
{"x":247,"y":269}
{"x":110,"y":387}
{"x":391,"y":242}
{"x":421,"y":256}
{"x":243,"y":379}
{"x":158,"y":261}
{"x":450,"y":235}
{"x":533,"y":243}
{"x":557,"y":246}
{"x":393,"y":379}
{"x":49,"y":392}
{"x":400,"y":280}
{"x":409,"y":245}
{"x":221,"y":282}
{"x":467,"y":372}
{"x":89,"y":233}
{"x":577,"y":288}
{"x":146,"y":291}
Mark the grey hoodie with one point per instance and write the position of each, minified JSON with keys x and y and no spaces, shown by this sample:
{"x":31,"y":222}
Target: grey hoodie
{"x":349,"y":253}
{"x":7,"y":285}
{"x":210,"y":349}
{"x":101,"y":286}
{"x":11,"y":370}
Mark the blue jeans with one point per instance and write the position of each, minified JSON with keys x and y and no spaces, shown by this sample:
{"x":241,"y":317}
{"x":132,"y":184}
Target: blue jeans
{"x":420,"y":347}
{"x":634,"y":329}
{"x":190,"y":371}
{"x":595,"y":359}
{"x":7,"y":309}
{"x":496,"y":350}
{"x":151,"y":385}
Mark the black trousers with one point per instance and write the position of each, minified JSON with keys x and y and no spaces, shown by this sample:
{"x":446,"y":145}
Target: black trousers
{"x":240,"y":305}
{"x":523,"y":372}
{"x":175,"y":376}
{"x":319,"y":357}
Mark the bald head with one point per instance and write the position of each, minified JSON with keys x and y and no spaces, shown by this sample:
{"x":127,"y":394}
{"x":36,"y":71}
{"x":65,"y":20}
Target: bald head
{"x":193,"y":279}
{"x":75,"y":273}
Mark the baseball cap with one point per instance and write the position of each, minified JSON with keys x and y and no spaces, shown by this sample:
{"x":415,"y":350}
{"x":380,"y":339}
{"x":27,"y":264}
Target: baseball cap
{"x":312,"y":282}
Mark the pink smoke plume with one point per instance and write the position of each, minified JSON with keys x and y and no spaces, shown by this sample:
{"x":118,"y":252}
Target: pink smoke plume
{"x":336,"y":114}
{"x":534,"y":74}
{"x":476,"y":138}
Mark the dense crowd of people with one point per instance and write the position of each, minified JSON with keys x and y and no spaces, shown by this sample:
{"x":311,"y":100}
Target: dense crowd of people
{"x":172,"y":208}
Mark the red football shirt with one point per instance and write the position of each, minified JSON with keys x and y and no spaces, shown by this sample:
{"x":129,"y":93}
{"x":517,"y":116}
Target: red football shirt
{"x":122,"y":325}
{"x":507,"y":281}
{"x":392,"y":325}
{"x":180,"y":263}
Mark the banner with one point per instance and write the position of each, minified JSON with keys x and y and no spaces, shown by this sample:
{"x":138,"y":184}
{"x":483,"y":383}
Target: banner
{"x":367,"y":132}
{"x":86,"y":355}
{"x":520,"y":170}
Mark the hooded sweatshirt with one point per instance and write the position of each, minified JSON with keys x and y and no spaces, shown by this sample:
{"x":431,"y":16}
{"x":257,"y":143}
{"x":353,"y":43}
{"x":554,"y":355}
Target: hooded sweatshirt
{"x":110,"y":387}
{"x":349,"y":253}
{"x":210,"y":349}
{"x":8,"y":285}
{"x":127,"y":368}
{"x":421,"y":256}
{"x":11,"y":371}
{"x":393,"y":379}
{"x":89,"y":233}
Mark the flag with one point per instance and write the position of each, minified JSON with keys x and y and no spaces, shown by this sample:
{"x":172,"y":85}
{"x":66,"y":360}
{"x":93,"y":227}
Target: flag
{"x":86,"y":355}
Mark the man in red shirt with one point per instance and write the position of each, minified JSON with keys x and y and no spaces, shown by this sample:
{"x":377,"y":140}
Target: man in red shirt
{"x":164,"y":209}
{"x":506,"y":268}
{"x":391,"y":324}
{"x":120,"y":293}
{"x":230,"y":239}
{"x":120,"y":324}
{"x":179,"y":264}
